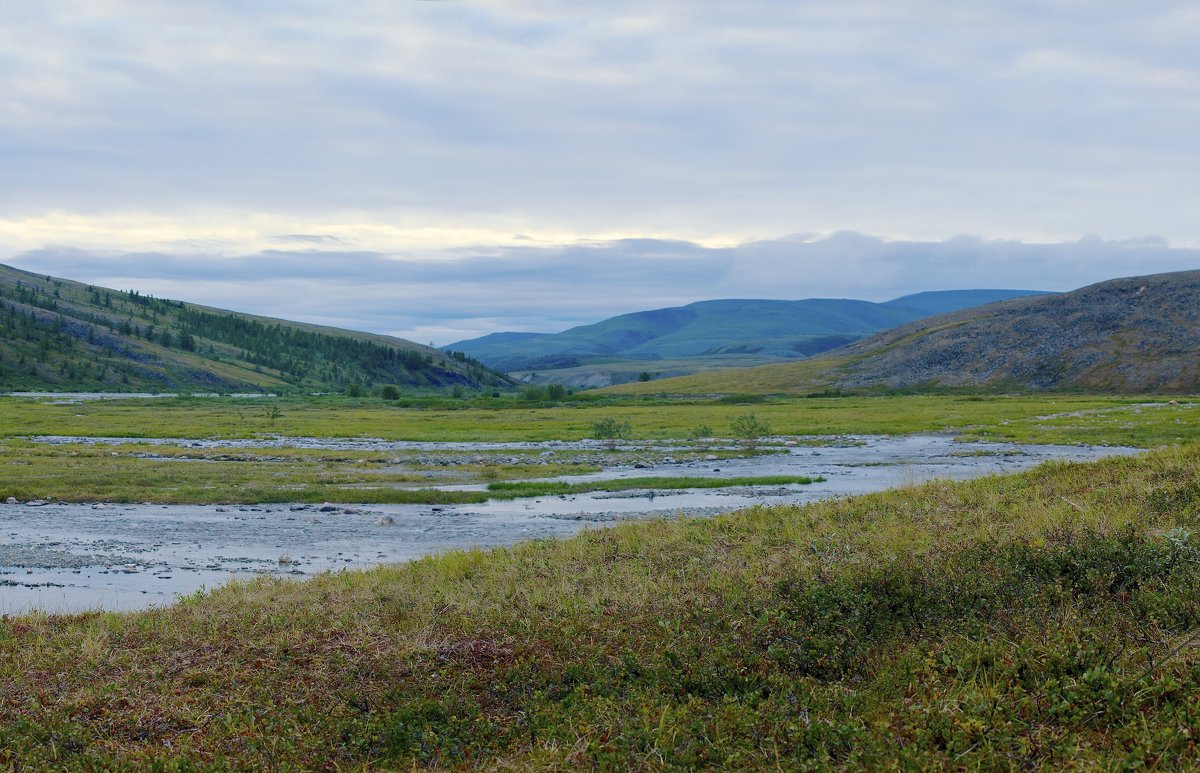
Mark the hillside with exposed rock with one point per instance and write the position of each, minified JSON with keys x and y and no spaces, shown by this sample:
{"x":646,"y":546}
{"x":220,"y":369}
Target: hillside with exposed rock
{"x":1132,"y":335}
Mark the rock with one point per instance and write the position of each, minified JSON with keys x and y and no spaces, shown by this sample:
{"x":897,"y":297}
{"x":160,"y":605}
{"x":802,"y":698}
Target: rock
{"x":36,"y":503}
{"x":327,"y":508}
{"x":351,"y":511}
{"x":790,"y":443}
{"x":640,"y":466}
{"x":710,"y":458}
{"x":11,"y":501}
{"x":222,"y":510}
{"x":385,"y":520}
{"x":284,"y":560}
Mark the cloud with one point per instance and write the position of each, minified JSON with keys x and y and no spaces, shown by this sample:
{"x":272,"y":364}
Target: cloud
{"x":911,"y":118}
{"x":441,"y":170}
{"x":463,"y":293}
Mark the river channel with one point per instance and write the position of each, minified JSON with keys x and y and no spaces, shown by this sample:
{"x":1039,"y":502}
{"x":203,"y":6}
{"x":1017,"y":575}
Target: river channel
{"x":74,"y":557}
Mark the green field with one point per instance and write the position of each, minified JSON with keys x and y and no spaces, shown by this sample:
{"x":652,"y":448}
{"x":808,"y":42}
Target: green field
{"x":1102,"y":419}
{"x":140,"y":472}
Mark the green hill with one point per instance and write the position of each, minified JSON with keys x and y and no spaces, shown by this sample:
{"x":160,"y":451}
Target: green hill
{"x":56,"y":334}
{"x":710,"y":334}
{"x":1132,"y":335}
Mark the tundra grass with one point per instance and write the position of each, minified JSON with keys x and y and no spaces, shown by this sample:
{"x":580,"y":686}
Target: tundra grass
{"x":177,"y":475}
{"x":649,"y":419}
{"x":1046,"y":620}
{"x":534,"y":488}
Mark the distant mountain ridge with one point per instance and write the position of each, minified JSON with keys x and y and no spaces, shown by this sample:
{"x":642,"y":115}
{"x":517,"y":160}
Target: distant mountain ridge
{"x":768,"y":328}
{"x":1130,"y":335}
{"x":56,"y":334}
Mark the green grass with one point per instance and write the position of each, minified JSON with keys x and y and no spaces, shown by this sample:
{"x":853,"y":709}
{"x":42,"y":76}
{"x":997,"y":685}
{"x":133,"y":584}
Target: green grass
{"x":182,"y":475}
{"x":1043,"y":620}
{"x":82,"y":473}
{"x":534,"y":488}
{"x":650,"y":418}
{"x":175,"y":475}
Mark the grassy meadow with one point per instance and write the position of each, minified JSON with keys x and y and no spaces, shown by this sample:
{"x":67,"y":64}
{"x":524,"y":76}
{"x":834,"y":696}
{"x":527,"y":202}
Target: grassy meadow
{"x":173,"y":474}
{"x":1046,"y":620}
{"x":1105,"y":418}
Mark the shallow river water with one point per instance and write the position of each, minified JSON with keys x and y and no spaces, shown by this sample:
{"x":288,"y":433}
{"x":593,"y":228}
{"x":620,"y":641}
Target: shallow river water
{"x":60,"y":557}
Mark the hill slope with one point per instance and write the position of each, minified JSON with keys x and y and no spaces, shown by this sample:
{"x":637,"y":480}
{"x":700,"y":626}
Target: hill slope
{"x":942,"y":301}
{"x":764,"y":328}
{"x":1138,"y":334}
{"x":62,"y":335}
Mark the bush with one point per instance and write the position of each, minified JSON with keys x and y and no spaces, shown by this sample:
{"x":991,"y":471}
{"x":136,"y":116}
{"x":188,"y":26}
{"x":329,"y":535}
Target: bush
{"x":611,"y":430}
{"x":389,"y":392}
{"x":749,"y":429}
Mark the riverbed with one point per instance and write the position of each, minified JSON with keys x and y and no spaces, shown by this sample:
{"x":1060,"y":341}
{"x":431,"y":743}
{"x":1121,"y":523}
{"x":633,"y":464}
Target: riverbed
{"x":73,"y":557}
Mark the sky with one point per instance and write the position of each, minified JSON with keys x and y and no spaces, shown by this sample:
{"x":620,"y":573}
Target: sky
{"x":443,"y":169}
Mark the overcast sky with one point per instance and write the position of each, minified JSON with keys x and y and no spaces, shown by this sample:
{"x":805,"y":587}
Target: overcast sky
{"x":439,"y":170}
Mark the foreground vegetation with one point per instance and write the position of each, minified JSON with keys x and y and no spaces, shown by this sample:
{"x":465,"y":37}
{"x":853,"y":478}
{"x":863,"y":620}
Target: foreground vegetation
{"x":1046,"y":619}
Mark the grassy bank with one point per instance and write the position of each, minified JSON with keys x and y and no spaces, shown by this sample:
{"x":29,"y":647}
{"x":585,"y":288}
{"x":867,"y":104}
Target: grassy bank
{"x":1039,"y":620}
{"x":1107,"y":418}
{"x":170,"y":474}
{"x":534,"y":488}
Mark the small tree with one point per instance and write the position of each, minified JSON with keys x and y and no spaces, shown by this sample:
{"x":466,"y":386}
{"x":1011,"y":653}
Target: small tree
{"x":749,"y":429}
{"x":611,"y":430}
{"x":389,"y":392}
{"x":555,"y":391}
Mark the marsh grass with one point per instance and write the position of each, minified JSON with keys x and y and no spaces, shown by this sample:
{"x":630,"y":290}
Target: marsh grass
{"x":1039,"y":620}
{"x":533,"y":488}
{"x":181,"y":475}
{"x":1100,"y":419}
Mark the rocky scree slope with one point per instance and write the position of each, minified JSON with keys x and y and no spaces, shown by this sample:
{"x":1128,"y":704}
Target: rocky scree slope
{"x":1138,"y":334}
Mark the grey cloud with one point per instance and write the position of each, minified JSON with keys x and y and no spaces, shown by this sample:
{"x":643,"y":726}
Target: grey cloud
{"x":910,"y":117}
{"x":461,"y":294}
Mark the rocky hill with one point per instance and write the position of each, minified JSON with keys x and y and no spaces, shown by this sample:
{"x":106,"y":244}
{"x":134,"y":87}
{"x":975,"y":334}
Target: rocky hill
{"x":56,"y":334}
{"x":1139,"y":334}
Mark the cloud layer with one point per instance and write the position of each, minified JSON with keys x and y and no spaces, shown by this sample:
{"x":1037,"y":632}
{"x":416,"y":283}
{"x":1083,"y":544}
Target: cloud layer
{"x":344,"y":162}
{"x":913,"y":118}
{"x":457,"y":294}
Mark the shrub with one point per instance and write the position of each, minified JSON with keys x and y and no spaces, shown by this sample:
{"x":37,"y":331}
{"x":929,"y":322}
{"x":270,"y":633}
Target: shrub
{"x":611,"y":430}
{"x":749,"y":429}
